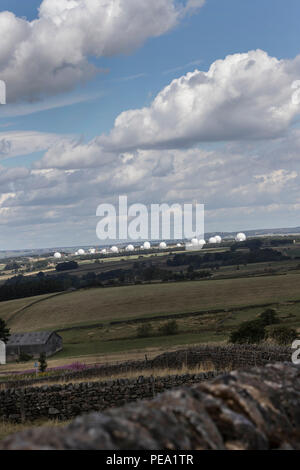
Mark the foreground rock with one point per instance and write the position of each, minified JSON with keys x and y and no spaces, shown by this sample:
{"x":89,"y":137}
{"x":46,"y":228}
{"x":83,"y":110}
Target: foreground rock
{"x":254,"y":409}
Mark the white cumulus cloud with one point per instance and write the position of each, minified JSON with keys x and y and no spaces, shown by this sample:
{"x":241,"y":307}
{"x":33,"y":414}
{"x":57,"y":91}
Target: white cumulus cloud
{"x":51,"y":53}
{"x":243,"y":97}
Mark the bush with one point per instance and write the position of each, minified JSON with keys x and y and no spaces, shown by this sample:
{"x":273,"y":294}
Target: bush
{"x":269,"y":317}
{"x":169,"y":328}
{"x":43,"y":363}
{"x":283,"y":335}
{"x":250,"y":332}
{"x":145,"y":330}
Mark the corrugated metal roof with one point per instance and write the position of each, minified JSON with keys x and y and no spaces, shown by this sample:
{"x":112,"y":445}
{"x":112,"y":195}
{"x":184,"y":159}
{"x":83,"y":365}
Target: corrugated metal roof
{"x":28,"y":339}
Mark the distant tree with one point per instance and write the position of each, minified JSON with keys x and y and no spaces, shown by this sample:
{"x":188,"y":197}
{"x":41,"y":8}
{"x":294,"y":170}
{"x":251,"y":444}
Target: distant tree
{"x":42,"y":362}
{"x":4,"y":331}
{"x":269,"y":317}
{"x":254,"y":244}
{"x":250,"y":332}
{"x":40,"y":264}
{"x":145,"y":330}
{"x":169,"y":328}
{"x":12,"y":266}
{"x":283,"y":335}
{"x":67,"y":266}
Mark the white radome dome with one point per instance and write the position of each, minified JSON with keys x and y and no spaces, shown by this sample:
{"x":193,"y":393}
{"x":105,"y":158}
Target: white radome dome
{"x":202,"y":242}
{"x":57,"y":255}
{"x":92,"y":251}
{"x":162,"y":245}
{"x":241,"y":237}
{"x":114,"y":249}
{"x":195,"y":242}
{"x":130,"y":248}
{"x":212,"y":240}
{"x":218,"y":238}
{"x":104,"y":251}
{"x":179,"y":245}
{"x":147,"y":246}
{"x":81,"y":251}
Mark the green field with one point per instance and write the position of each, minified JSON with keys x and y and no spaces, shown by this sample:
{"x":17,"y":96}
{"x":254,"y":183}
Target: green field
{"x":122,"y":303}
{"x":206,"y":328}
{"x":12,"y":307}
{"x":92,"y":307}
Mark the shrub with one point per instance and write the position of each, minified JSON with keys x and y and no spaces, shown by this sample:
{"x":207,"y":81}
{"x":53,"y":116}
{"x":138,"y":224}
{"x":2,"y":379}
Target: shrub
{"x":43,"y":363}
{"x":169,"y":328}
{"x":283,"y":335}
{"x":269,"y":317}
{"x":249,"y":332}
{"x":145,"y":330}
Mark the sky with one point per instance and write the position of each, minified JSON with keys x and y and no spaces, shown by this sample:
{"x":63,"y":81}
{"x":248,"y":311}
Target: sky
{"x":171,"y":101}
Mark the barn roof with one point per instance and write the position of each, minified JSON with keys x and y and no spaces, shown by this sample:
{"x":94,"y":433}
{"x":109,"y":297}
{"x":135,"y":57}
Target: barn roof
{"x":29,"y":339}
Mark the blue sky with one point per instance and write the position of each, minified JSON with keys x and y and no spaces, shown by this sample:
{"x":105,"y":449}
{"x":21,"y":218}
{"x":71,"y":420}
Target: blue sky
{"x":82,"y":112}
{"x":219,"y":29}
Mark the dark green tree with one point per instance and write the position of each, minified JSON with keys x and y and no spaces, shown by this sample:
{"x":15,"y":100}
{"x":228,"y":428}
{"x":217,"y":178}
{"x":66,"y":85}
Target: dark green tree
{"x":42,"y":362}
{"x":4,"y":331}
{"x":250,"y":332}
{"x":169,"y":328}
{"x":145,"y":330}
{"x":269,"y":317}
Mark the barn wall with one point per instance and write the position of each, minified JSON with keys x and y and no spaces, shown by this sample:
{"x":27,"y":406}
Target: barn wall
{"x":53,"y":345}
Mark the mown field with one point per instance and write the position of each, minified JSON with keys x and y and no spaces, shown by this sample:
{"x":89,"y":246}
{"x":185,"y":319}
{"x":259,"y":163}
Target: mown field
{"x":10,"y":308}
{"x":121,"y":303}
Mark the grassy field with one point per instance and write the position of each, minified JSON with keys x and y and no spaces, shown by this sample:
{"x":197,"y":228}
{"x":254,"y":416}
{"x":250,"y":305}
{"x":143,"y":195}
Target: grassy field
{"x":121,"y":303}
{"x":10,"y":308}
{"x":193,"y":330}
{"x":102,"y":306}
{"x":6,"y":428}
{"x":134,"y":374}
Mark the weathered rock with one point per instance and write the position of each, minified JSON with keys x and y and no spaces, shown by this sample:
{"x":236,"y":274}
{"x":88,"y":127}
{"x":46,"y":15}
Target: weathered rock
{"x":253,"y":409}
{"x":53,"y":411}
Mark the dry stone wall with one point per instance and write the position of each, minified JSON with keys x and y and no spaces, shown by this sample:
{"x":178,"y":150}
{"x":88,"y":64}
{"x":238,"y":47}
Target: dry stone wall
{"x":67,"y":401}
{"x":257,"y":409}
{"x":219,"y":358}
